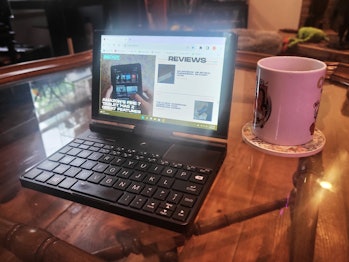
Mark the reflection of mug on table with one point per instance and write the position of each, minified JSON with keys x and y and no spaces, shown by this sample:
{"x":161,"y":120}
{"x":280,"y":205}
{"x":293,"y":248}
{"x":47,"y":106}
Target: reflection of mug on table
{"x":288,"y":91}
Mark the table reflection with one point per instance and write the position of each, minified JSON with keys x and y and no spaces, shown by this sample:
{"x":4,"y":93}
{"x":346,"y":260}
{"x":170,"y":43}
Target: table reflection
{"x":62,"y":104}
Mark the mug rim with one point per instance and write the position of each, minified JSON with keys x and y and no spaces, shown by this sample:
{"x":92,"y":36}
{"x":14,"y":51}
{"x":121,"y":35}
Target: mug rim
{"x":313,"y":65}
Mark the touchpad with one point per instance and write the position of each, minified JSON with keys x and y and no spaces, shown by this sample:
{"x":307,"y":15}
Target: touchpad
{"x":198,"y":156}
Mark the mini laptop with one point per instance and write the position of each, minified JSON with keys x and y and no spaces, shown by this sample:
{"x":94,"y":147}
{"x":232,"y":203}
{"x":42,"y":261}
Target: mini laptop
{"x":160,"y":116}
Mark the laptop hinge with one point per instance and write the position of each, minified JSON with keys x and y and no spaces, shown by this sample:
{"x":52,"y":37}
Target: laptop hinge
{"x":108,"y":128}
{"x":155,"y":133}
{"x":169,"y":135}
{"x":148,"y":131}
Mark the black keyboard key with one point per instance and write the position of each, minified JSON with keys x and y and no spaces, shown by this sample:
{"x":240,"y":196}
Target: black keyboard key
{"x":190,"y":168}
{"x":56,"y":157}
{"x":78,"y":141}
{"x":177,"y":165}
{"x":122,"y":184}
{"x":68,"y":182}
{"x":206,"y":171}
{"x":55,"y":180}
{"x":127,"y":155}
{"x":174,"y":197}
{"x":112,"y":170}
{"x":181,"y":213}
{"x":89,"y":164}
{"x":74,"y":151}
{"x":198,"y":178}
{"x":187,"y":187}
{"x":168,"y":206}
{"x":138,"y":202}
{"x":183,"y":174}
{"x":60,"y":169}
{"x":95,"y":156}
{"x":89,"y":143}
{"x":138,"y":176}
{"x":169,"y":171}
{"x":96,"y":177}
{"x":74,"y":144}
{"x":161,"y":194}
{"x":131,"y":151}
{"x":126,"y":199}
{"x":110,"y":147}
{"x":135,"y":188}
{"x":84,"y":174}
{"x":106,"y":159}
{"x":84,"y":154}
{"x":100,"y":145}
{"x":100,"y":167}
{"x":163,"y":162}
{"x":44,"y":176}
{"x":115,"y":153}
{"x":48,"y":165}
{"x":165,"y":182}
{"x":108,"y":181}
{"x":148,"y":191}
{"x":96,"y":190}
{"x":143,"y":166}
{"x":130,"y":163}
{"x":65,"y":149}
{"x":66,"y":159}
{"x":77,"y":162}
{"x":139,"y":157}
{"x":164,"y":212}
{"x":188,"y":201}
{"x":72,"y":171}
{"x":93,"y":148}
{"x":118,"y":161}
{"x":152,"y":179}
{"x":84,"y":147}
{"x":124,"y":173}
{"x":33,"y":173}
{"x":151,"y":205}
{"x":156,"y":169}
{"x":151,"y":159}
{"x":104,"y":151}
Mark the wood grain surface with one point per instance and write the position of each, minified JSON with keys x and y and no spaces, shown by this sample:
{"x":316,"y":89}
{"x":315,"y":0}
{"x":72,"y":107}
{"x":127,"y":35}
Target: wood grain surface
{"x":248,"y":179}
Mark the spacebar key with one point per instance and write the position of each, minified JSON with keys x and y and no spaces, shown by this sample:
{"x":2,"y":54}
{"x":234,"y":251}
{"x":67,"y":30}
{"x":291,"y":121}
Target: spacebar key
{"x":95,"y":190}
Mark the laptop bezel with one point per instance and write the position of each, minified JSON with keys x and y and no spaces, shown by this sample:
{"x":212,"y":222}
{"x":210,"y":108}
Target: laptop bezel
{"x":226,"y":94}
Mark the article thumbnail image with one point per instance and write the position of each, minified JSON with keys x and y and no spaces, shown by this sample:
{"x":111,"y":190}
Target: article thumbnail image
{"x":166,"y":74}
{"x":203,"y":110}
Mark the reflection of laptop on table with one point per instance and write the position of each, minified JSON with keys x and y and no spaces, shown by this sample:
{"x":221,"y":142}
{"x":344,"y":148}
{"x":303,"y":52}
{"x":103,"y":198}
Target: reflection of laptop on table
{"x":149,"y":91}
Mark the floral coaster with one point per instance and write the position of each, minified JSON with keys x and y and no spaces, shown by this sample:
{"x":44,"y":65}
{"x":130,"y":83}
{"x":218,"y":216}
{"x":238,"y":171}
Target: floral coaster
{"x":311,"y":148}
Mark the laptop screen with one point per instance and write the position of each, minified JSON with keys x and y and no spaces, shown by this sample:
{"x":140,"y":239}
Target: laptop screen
{"x":180,"y":81}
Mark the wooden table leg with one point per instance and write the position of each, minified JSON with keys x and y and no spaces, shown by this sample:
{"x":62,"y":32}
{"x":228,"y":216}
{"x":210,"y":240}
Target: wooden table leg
{"x":304,"y":203}
{"x":34,"y":244}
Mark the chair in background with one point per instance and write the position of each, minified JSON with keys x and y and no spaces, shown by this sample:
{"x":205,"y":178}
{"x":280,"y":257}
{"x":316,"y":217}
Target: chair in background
{"x":7,"y":35}
{"x":11,"y":51}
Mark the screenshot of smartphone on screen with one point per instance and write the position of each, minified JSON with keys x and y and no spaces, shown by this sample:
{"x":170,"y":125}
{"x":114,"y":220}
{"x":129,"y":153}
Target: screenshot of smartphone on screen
{"x":126,"y":81}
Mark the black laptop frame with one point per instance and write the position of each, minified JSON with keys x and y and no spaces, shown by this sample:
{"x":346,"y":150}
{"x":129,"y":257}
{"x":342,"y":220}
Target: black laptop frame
{"x":226,"y":94}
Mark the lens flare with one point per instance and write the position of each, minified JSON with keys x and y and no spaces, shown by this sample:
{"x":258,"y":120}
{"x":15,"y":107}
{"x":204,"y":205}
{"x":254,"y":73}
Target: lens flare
{"x":325,"y":184}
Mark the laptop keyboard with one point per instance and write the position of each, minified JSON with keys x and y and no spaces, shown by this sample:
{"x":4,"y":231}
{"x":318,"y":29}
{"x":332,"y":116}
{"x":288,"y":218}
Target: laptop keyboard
{"x":136,"y":184}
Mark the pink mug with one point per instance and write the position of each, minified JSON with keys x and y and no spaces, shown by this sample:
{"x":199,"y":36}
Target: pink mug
{"x":288,"y":92}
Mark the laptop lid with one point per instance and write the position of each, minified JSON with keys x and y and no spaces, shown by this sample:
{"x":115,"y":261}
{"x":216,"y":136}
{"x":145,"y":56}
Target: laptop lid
{"x":164,"y":81}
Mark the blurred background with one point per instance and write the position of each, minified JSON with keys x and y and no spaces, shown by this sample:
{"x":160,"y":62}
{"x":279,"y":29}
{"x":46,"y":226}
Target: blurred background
{"x":33,"y":29}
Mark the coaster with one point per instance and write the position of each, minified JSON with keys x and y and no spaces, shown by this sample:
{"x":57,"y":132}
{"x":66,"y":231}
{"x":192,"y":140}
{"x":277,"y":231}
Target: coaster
{"x":311,"y":148}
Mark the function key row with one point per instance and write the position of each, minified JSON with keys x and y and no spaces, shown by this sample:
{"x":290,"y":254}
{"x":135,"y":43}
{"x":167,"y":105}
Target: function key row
{"x":107,"y":153}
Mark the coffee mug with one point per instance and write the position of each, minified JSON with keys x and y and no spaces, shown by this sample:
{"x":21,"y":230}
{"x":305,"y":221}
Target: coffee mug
{"x":288,"y":92}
